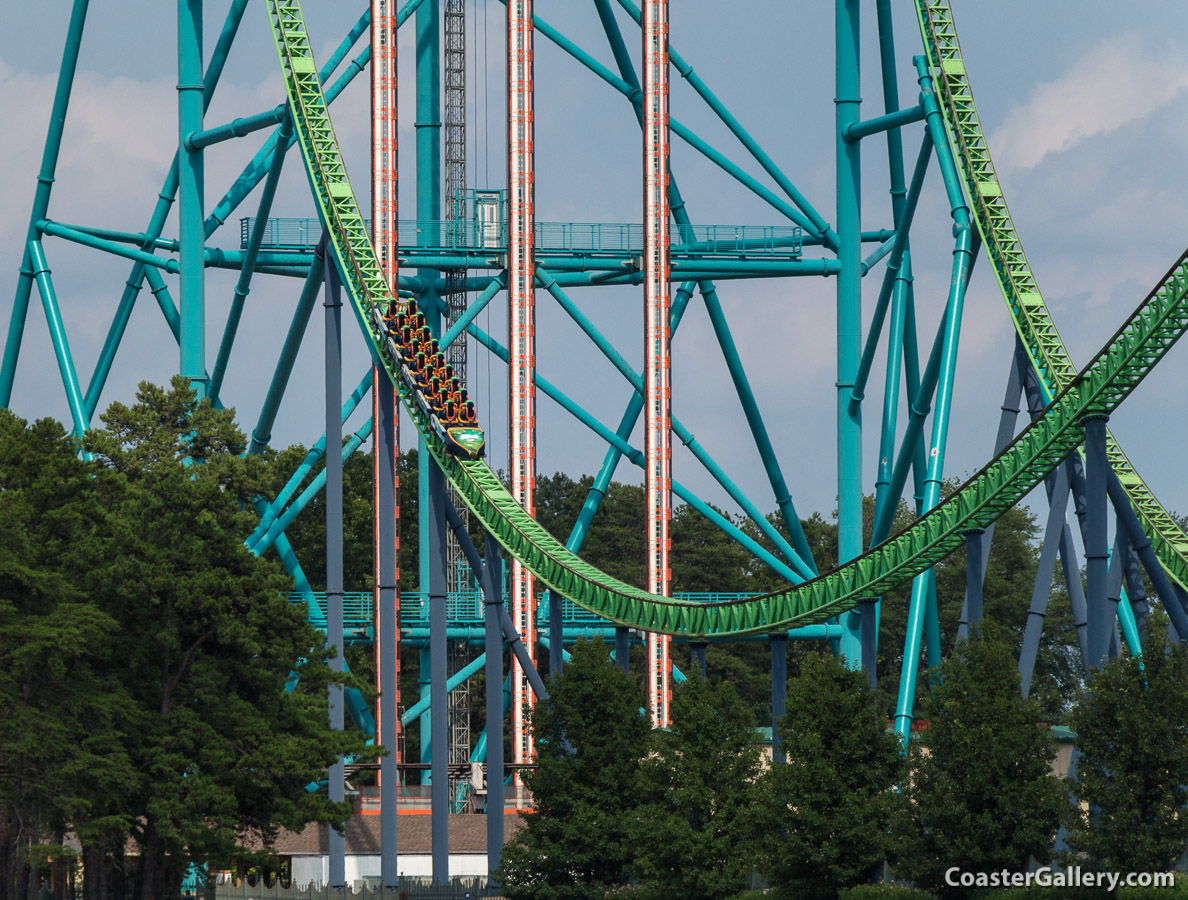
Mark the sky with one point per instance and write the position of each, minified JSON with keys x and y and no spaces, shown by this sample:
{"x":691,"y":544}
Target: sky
{"x":1086,"y":113}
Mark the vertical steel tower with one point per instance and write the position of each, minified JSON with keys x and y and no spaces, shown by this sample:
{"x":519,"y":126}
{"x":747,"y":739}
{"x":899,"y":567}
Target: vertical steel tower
{"x":657,"y":358}
{"x":385,"y":413}
{"x":521,"y":342}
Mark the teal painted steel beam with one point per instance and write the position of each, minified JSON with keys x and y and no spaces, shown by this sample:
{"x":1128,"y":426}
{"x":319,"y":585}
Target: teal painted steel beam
{"x":235,"y":128}
{"x":498,"y":283}
{"x":243,"y":285}
{"x":818,"y":223}
{"x":922,"y":606}
{"x":115,"y":334}
{"x":429,"y":187}
{"x":262,"y":433}
{"x":191,"y":178}
{"x":804,"y":569}
{"x":117,"y":249}
{"x":890,"y":277}
{"x":120,"y":237}
{"x":315,"y":487}
{"x":847,"y":102}
{"x":897,"y":119}
{"x":41,"y":197}
{"x":457,"y":680}
{"x":767,"y":455}
{"x":312,"y":456}
{"x":53,"y":318}
{"x":632,"y":92}
{"x":255,"y":170}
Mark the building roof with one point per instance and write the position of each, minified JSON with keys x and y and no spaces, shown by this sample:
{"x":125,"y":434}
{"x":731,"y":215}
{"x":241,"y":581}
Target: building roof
{"x":468,"y":834}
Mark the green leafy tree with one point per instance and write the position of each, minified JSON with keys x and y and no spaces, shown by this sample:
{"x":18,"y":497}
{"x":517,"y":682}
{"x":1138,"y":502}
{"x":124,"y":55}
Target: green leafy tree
{"x":826,"y":814}
{"x":982,"y":793}
{"x":694,"y":827}
{"x":1132,"y":778}
{"x":59,"y":758}
{"x":590,"y":738}
{"x":206,"y":643}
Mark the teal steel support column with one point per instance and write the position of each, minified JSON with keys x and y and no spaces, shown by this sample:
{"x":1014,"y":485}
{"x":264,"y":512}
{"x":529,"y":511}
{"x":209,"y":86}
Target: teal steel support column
{"x":262,"y":433}
{"x":53,"y":318}
{"x":119,"y":324}
{"x":244,"y":285}
{"x":847,"y":102}
{"x":41,"y":198}
{"x":921,"y":609}
{"x":190,"y":91}
{"x":428,"y":129}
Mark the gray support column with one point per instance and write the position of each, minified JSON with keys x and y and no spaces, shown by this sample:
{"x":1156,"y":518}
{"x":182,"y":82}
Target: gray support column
{"x":521,"y":654}
{"x":386,"y":620}
{"x":1135,"y":588}
{"x":434,"y":542}
{"x":1173,"y":599}
{"x":1045,"y":570}
{"x":779,"y":692}
{"x":975,"y":574}
{"x":337,"y":790}
{"x":697,"y":654}
{"x":1069,"y":562}
{"x":1117,"y":565}
{"x":623,"y":648}
{"x":868,"y":609}
{"x":493,"y":603}
{"x":1097,"y":541}
{"x":556,"y":632}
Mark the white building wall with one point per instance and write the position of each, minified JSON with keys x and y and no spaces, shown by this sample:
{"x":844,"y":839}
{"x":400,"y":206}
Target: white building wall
{"x":316,"y":869}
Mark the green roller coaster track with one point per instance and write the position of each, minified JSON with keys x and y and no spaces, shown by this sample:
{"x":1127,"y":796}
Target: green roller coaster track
{"x":1143,"y":340}
{"x":1044,"y":346}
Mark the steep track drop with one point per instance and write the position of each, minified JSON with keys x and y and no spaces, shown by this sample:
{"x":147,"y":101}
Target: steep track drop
{"x":1113,"y":374}
{"x":1026,"y":305}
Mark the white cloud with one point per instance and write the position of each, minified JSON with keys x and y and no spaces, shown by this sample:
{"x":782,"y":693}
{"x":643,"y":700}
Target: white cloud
{"x":1118,"y":81}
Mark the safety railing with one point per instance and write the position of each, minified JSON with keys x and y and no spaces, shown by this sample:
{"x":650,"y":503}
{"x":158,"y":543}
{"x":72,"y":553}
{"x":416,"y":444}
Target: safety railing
{"x":466,"y":608}
{"x":553,"y":238}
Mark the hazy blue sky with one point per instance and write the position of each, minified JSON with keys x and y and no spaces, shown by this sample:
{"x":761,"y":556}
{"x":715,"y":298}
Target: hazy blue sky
{"x":1085,"y":108}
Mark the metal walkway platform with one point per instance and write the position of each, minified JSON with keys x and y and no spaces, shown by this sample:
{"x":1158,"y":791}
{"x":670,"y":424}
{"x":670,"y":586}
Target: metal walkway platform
{"x":553,"y":239}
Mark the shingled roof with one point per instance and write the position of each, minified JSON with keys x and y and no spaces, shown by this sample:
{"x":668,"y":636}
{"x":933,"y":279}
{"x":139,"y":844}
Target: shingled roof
{"x":468,"y":834}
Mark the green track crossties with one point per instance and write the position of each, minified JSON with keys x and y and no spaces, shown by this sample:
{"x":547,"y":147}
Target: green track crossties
{"x":1116,"y":370}
{"x":1032,"y":319}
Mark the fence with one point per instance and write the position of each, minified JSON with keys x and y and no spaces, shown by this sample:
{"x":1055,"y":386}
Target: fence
{"x":409,"y":889}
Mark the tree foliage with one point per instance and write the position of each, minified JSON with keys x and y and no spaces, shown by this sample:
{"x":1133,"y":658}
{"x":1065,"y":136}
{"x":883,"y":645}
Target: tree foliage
{"x":590,"y":737}
{"x":694,"y":827}
{"x":165,"y":717}
{"x":1132,"y":777}
{"x":981,"y":791}
{"x":826,"y":816}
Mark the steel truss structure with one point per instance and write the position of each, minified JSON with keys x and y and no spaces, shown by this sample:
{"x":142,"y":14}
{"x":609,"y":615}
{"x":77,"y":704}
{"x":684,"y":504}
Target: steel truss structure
{"x":1065,"y":445}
